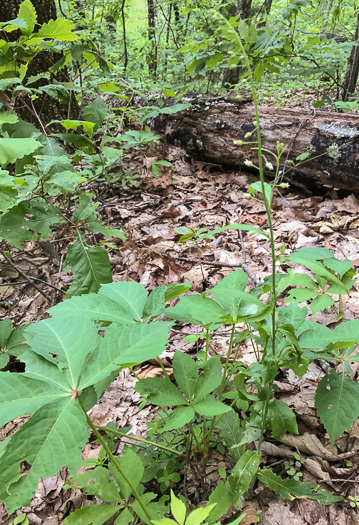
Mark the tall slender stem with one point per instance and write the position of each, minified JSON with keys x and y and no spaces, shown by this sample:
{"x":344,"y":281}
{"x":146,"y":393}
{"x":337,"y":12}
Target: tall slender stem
{"x":115,"y":462}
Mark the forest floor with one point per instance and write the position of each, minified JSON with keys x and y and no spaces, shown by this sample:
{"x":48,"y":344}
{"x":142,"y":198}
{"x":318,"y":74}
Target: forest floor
{"x":196,"y":194}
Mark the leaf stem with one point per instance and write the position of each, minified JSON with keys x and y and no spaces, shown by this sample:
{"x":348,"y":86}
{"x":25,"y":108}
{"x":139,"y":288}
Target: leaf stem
{"x":114,"y":461}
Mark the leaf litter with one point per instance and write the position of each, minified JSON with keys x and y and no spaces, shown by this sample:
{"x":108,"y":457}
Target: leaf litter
{"x":200,"y":195}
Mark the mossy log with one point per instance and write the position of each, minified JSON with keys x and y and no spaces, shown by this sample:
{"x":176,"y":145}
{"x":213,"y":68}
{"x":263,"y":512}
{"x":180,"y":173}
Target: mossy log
{"x":208,"y":130}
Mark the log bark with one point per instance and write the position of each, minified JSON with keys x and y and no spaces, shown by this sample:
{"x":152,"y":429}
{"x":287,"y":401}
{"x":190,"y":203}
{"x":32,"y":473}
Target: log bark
{"x":208,"y":129}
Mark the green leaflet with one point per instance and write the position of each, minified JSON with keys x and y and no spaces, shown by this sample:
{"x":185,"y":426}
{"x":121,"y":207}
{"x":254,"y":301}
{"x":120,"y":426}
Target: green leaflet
{"x":291,"y":489}
{"x":12,"y":149}
{"x":18,"y":224}
{"x":53,"y":437}
{"x":337,"y":403}
{"x":91,"y":266}
{"x":91,"y":515}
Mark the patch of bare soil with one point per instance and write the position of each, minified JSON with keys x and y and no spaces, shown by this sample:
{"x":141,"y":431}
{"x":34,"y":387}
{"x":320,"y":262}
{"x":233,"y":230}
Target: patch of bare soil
{"x":202,"y":195}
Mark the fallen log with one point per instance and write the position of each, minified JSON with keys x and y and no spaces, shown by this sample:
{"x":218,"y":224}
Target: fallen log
{"x":208,"y":130}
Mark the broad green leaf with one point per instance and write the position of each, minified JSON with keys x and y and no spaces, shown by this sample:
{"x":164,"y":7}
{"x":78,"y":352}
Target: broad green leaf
{"x":91,"y":515}
{"x":39,"y":368}
{"x":96,"y":112}
{"x":18,"y":224}
{"x":129,"y":295}
{"x":74,"y":124}
{"x":282,"y":419}
{"x":21,"y":395}
{"x":186,"y":373}
{"x":85,"y":210}
{"x":155,"y":303}
{"x":65,"y":341}
{"x":52,"y":438}
{"x":179,"y":418}
{"x":107,"y":231}
{"x":196,"y":309}
{"x":243,"y":472}
{"x":199,"y":515}
{"x":160,"y":391}
{"x":292,"y":314}
{"x":27,"y":12}
{"x":133,"y":466}
{"x":299,"y":295}
{"x":291,"y":489}
{"x":296,"y":279}
{"x":97,"y":482}
{"x":320,"y":270}
{"x":12,"y":149}
{"x":62,"y":182}
{"x":346,"y":332}
{"x":229,"y":426}
{"x":178,"y":509}
{"x":336,"y":401}
{"x":95,"y":307}
{"x":209,"y":379}
{"x":85,"y":144}
{"x":226,"y":291}
{"x":7,"y":83}
{"x":91,"y":266}
{"x":211,"y":407}
{"x":5,"y":331}
{"x":340,"y":267}
{"x":8,"y":117}
{"x":312,"y":254}
{"x":314,"y":336}
{"x":58,"y":29}
{"x":321,"y":302}
{"x":125,"y":345}
{"x":222,"y":497}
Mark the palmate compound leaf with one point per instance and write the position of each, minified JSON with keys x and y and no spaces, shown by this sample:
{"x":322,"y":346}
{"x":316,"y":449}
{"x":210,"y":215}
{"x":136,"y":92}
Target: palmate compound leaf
{"x":337,"y":403}
{"x":56,"y":433}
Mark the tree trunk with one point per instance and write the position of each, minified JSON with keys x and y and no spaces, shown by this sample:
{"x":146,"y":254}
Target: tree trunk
{"x":152,"y":66}
{"x":44,"y":108}
{"x":208,"y":130}
{"x":351,"y":75}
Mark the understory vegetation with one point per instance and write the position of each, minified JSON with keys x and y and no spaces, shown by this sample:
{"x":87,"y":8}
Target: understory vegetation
{"x":78,"y":93}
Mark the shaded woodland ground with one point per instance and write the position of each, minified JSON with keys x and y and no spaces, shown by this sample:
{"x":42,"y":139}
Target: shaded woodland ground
{"x":198,"y":194}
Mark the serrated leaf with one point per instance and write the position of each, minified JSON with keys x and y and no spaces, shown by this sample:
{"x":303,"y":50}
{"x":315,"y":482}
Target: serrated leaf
{"x":21,"y":395}
{"x":12,"y":149}
{"x":132,"y":465}
{"x":53,"y":437}
{"x":282,"y":419}
{"x":291,"y":489}
{"x":231,"y":432}
{"x":160,"y":391}
{"x":209,"y":379}
{"x":97,"y":482}
{"x":125,"y":345}
{"x":199,"y":515}
{"x":185,"y":372}
{"x":225,"y":291}
{"x":243,"y":472}
{"x":178,"y":509}
{"x":18,"y":224}
{"x":321,"y":302}
{"x":336,"y":401}
{"x":55,"y":339}
{"x":346,"y":332}
{"x":340,"y":267}
{"x":91,"y":515}
{"x":314,"y":336}
{"x":176,"y":289}
{"x":129,"y":295}
{"x":312,"y":254}
{"x":59,"y":29}
{"x":222,"y":497}
{"x":292,"y":314}
{"x":179,"y":418}
{"x":95,"y":307}
{"x":211,"y":407}
{"x":27,"y":12}
{"x":196,"y":309}
{"x":155,"y":303}
{"x":91,"y":266}
{"x":96,"y":112}
{"x":8,"y":117}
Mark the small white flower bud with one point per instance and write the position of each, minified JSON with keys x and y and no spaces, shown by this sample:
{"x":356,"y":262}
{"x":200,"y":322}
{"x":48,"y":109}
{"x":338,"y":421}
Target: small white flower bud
{"x":248,"y":163}
{"x":269,"y":166}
